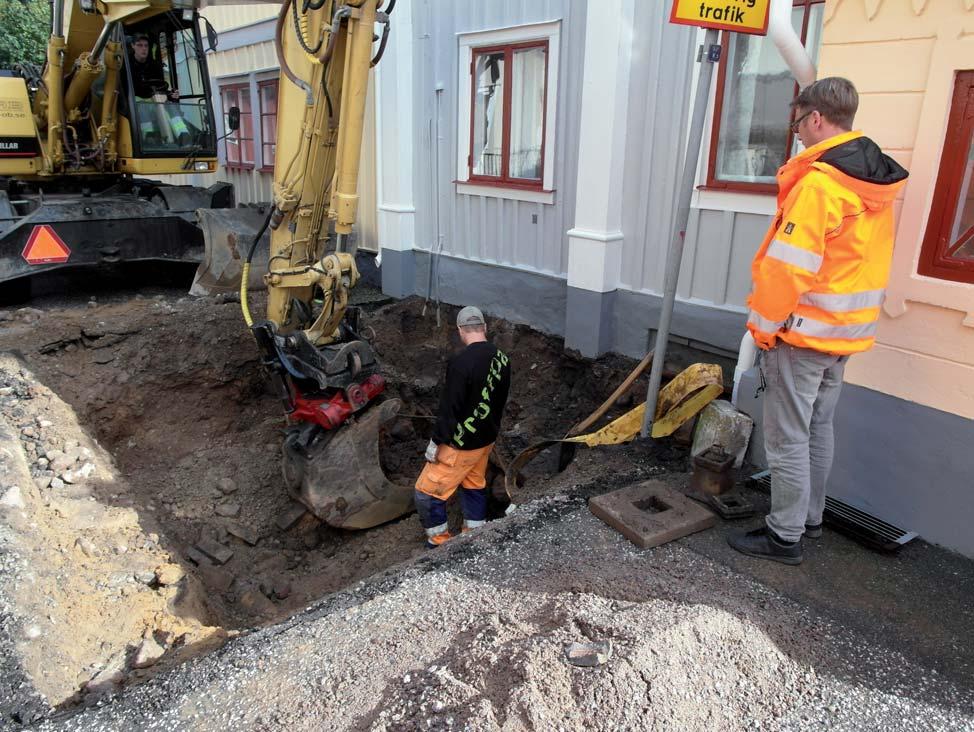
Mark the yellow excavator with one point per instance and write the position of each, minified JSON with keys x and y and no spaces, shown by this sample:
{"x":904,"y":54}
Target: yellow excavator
{"x":125,"y":94}
{"x":80,"y":137}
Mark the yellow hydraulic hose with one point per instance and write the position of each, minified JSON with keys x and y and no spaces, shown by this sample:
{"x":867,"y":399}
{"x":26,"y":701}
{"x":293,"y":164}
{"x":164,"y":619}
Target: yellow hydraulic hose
{"x":244,"y":307}
{"x":245,"y":274}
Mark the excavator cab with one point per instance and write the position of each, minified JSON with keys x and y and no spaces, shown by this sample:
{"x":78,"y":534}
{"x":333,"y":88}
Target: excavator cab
{"x":123,"y":100}
{"x":166,"y":91}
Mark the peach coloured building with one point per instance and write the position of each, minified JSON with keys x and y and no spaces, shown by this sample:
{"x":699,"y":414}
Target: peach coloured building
{"x":907,"y":424}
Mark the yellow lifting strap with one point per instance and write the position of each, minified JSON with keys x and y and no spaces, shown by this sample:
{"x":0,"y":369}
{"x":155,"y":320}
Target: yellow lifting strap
{"x":689,"y":392}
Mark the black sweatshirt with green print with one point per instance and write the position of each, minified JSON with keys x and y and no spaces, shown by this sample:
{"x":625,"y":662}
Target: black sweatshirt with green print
{"x":472,"y":403}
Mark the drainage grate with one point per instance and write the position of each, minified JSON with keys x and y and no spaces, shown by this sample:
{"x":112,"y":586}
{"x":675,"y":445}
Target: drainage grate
{"x":853,"y":522}
{"x":870,"y":530}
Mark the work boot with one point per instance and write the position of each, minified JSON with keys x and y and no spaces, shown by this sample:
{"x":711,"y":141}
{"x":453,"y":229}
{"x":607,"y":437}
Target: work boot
{"x":470,"y":525}
{"x":765,"y":544}
{"x":813,"y":531}
{"x":438,"y":539}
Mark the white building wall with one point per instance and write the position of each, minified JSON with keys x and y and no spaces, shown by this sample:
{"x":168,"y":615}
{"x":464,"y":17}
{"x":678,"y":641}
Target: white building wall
{"x":527,"y":235}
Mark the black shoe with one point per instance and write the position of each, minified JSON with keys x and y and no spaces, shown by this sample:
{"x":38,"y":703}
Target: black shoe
{"x":813,"y":531}
{"x":765,"y":544}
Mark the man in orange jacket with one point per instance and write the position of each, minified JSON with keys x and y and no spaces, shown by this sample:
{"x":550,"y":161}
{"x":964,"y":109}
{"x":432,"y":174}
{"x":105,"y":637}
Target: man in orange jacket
{"x":819,"y":281}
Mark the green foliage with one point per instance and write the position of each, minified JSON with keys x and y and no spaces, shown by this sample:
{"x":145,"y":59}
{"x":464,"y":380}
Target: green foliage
{"x":25,"y":29}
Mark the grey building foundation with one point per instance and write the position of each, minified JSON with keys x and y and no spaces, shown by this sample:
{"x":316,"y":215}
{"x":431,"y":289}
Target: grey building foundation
{"x":592,"y":323}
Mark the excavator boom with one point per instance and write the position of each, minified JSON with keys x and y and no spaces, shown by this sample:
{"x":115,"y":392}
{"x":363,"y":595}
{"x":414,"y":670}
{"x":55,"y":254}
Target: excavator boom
{"x":326,"y":373}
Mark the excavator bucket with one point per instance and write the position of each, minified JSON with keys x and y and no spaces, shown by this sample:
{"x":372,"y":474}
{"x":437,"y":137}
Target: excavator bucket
{"x":228,"y":234}
{"x":341,"y":481}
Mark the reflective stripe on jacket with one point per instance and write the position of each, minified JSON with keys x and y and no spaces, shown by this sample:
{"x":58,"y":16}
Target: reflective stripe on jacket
{"x":820,"y":274}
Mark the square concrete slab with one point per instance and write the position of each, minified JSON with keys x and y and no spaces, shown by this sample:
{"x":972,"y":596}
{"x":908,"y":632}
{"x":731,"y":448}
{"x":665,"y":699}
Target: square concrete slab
{"x":651,"y":513}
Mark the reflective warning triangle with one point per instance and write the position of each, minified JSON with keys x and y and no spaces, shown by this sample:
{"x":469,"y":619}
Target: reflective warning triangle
{"x":45,"y":247}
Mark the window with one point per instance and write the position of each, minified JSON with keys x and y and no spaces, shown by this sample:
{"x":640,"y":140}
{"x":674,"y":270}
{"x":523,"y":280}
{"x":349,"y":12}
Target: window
{"x":239,"y":144}
{"x":507,"y":126}
{"x":268,"y":122}
{"x":948,"y":246}
{"x":751,"y":138}
{"x":507,"y":98}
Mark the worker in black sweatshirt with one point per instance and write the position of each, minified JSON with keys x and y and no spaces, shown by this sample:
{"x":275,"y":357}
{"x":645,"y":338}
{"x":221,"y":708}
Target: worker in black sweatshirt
{"x":478,"y":380}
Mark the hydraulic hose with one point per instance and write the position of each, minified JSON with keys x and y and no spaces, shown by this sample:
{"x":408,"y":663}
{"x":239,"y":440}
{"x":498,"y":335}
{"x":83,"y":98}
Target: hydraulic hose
{"x":279,"y":48}
{"x":384,"y":19}
{"x":245,"y":274}
{"x":300,"y":24}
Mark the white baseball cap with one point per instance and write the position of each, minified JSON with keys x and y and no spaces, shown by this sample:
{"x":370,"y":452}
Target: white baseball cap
{"x":470,"y":316}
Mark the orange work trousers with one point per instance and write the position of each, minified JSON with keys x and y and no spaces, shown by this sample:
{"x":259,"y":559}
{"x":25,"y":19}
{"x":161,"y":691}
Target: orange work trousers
{"x":452,"y":469}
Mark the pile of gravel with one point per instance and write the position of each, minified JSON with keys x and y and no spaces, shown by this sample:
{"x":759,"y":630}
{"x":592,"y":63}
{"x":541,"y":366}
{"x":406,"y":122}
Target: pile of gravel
{"x":473,"y":637}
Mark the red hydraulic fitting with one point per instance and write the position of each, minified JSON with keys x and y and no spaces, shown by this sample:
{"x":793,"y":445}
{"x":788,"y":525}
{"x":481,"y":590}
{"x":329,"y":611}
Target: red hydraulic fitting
{"x":330,"y":412}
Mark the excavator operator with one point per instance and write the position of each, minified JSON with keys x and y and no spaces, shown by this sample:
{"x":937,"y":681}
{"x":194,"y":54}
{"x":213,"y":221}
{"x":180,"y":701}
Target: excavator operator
{"x":148,"y":76}
{"x":159,"y":122}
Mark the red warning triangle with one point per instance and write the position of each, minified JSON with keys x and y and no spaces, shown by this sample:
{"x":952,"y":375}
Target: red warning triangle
{"x":45,"y":247}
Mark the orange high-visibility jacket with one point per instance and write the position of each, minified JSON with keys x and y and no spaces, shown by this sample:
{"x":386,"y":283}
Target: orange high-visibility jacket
{"x":820,"y":274}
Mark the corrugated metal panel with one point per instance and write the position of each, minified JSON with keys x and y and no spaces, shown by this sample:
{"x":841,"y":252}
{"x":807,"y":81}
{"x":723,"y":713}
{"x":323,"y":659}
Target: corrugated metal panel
{"x":243,"y":60}
{"x":483,"y":228}
{"x":224,"y":17}
{"x":717,"y":256}
{"x":659,"y":84}
{"x":719,"y":245}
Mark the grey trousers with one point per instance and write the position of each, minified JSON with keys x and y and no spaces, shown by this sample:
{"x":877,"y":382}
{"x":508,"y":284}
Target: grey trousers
{"x":802,"y":390}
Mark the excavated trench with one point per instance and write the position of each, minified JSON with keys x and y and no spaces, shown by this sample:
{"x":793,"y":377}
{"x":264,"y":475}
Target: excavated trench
{"x":170,"y":387}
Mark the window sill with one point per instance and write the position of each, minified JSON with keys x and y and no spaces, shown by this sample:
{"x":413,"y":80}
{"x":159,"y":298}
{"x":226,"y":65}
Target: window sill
{"x":957,"y":275}
{"x":494,"y":190}
{"x":266,"y":169}
{"x":722,"y":199}
{"x":740,"y":187}
{"x":239,"y":166}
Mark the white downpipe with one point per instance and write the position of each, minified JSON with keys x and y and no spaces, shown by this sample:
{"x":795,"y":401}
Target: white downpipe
{"x":789,"y":44}
{"x":745,"y":360}
{"x":790,"y":47}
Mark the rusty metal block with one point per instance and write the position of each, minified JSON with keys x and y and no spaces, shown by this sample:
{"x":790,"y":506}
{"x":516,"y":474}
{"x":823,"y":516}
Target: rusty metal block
{"x":651,"y":513}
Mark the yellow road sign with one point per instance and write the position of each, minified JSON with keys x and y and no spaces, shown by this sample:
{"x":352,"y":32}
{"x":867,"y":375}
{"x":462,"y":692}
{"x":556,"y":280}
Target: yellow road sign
{"x":742,"y":16}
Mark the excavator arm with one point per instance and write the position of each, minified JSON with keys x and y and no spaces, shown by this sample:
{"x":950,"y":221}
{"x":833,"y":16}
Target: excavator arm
{"x":326,"y":373}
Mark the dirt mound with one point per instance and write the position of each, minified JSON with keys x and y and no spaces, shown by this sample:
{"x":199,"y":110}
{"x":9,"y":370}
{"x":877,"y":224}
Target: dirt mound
{"x":92,"y":587}
{"x":509,"y":672}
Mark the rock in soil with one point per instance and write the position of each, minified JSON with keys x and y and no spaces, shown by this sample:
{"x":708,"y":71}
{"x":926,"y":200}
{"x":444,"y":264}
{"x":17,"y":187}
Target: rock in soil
{"x":216,"y":552}
{"x":169,"y":574}
{"x":588,"y":654}
{"x":216,"y":579}
{"x":228,"y":510}
{"x":294,"y":513}
{"x":244,"y":533}
{"x":148,"y":653}
{"x":13,"y":498}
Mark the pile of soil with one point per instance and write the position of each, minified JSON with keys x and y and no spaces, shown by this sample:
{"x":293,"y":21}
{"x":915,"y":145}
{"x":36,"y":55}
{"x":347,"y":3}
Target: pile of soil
{"x":168,"y":392}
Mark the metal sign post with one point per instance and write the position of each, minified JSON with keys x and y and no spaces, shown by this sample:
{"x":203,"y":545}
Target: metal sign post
{"x":674,"y":255}
{"x":734,"y":15}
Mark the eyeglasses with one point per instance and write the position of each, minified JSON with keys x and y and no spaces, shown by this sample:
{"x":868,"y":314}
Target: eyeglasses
{"x":794,"y":125}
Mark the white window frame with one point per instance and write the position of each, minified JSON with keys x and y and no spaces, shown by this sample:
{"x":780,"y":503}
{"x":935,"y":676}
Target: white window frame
{"x":550,"y":31}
